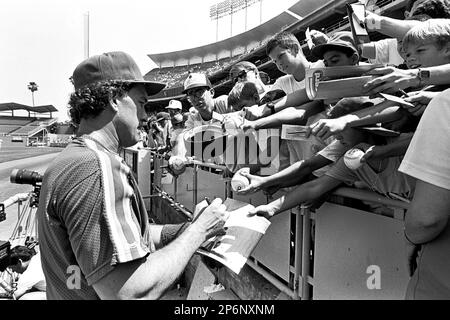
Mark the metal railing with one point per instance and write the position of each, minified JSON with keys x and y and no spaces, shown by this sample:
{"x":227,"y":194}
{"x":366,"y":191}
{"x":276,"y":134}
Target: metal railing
{"x":301,"y":284}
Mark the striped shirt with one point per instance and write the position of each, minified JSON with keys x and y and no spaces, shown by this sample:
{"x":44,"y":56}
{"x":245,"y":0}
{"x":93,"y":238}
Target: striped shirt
{"x":91,"y":217}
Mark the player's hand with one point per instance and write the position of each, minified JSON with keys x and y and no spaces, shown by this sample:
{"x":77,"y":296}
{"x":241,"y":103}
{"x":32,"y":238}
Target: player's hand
{"x":209,"y":219}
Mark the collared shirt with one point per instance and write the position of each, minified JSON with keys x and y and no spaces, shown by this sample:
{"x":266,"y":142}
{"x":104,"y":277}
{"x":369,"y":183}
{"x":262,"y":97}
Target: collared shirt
{"x":91,"y":217}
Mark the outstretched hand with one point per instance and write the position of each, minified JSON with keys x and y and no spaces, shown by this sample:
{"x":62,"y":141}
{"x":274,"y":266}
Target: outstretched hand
{"x":255,"y":183}
{"x":325,"y":128}
{"x":389,"y":80}
{"x":265,"y":210}
{"x":420,"y":100}
{"x":371,"y":153}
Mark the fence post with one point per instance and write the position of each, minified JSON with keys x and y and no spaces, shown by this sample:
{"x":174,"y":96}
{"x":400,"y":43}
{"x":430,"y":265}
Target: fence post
{"x":306,"y":213}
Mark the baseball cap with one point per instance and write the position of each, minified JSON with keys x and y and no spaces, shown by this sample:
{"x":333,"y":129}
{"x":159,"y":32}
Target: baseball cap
{"x":240,"y":66}
{"x":195,"y":80}
{"x":342,"y":41}
{"x":174,"y":104}
{"x":162,"y":115}
{"x":118,"y":66}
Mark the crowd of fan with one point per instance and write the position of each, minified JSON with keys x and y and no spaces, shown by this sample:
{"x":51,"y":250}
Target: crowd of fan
{"x":400,"y":141}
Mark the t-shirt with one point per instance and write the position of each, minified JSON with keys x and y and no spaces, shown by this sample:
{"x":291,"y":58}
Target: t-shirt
{"x":389,"y":180}
{"x":33,"y":277}
{"x":428,"y":155}
{"x":386,"y":52}
{"x":299,"y":150}
{"x":288,"y":84}
{"x":195,"y":120}
{"x":428,"y":159}
{"x":91,"y":218}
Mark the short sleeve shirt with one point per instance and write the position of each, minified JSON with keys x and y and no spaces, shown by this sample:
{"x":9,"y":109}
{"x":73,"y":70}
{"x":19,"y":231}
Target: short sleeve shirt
{"x":428,"y":155}
{"x":33,"y":277}
{"x":195,"y":119}
{"x":428,"y":159}
{"x":91,"y":218}
{"x":389,"y":180}
{"x":288,"y":83}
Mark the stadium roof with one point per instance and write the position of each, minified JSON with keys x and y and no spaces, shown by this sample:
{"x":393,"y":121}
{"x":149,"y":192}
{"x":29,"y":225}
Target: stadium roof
{"x":18,"y":106}
{"x":257,"y":34}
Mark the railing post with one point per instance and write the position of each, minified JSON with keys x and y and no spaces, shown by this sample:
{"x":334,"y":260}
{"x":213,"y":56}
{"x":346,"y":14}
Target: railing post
{"x":175,"y":187}
{"x":306,"y":213}
{"x":298,"y":253}
{"x":195,"y":184}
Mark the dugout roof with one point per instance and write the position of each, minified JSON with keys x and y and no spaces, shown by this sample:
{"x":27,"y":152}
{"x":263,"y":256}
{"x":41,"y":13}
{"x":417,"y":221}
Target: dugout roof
{"x":17,"y":106}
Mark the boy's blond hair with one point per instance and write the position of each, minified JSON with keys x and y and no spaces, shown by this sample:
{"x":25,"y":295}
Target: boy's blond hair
{"x":242,"y":91}
{"x":435,"y":31}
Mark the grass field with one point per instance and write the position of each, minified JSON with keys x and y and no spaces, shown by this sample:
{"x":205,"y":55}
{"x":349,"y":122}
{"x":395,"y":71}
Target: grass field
{"x":10,"y":153}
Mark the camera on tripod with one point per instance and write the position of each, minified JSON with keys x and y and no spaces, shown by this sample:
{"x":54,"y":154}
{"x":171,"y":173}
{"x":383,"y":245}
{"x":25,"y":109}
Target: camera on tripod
{"x":24,"y":176}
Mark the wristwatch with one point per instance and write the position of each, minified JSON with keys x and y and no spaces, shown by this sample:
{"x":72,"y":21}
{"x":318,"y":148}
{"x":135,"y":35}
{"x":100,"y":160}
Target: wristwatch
{"x":423,"y":75}
{"x":271,"y":107}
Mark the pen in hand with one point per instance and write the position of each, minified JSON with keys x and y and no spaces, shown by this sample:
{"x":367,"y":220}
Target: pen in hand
{"x":201,"y":211}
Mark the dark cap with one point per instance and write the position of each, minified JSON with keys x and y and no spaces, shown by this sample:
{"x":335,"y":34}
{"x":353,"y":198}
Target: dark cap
{"x":238,"y":67}
{"x":118,"y":66}
{"x":342,"y":41}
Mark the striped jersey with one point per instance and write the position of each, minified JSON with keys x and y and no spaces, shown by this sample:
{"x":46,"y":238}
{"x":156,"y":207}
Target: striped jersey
{"x":91,"y":217}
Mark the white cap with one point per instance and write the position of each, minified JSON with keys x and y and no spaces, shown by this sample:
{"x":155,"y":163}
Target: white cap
{"x":174,"y":104}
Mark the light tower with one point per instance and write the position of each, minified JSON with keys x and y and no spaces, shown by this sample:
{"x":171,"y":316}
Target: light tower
{"x":32,"y":86}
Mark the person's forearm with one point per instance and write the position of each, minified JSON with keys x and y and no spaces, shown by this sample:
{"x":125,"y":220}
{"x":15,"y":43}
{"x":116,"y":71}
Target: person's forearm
{"x":419,"y":232}
{"x":179,"y":148}
{"x":287,"y":177}
{"x":297,"y":98}
{"x":439,"y":75}
{"x":164,"y":266}
{"x":396,"y":28}
{"x":376,"y":115}
{"x":297,"y":172}
{"x":306,"y":192}
{"x":287,"y":116}
{"x":428,"y":213}
{"x":395,"y":149}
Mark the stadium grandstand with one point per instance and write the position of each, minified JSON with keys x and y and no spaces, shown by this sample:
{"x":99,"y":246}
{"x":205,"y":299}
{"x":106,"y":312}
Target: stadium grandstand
{"x":31,"y":129}
{"x":216,"y":59}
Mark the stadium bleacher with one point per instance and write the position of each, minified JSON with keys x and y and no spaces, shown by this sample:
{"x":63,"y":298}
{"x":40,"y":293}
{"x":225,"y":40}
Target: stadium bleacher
{"x":328,"y":20}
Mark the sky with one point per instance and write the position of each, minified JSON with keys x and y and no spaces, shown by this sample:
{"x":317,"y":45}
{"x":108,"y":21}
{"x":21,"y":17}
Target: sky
{"x":43,"y":40}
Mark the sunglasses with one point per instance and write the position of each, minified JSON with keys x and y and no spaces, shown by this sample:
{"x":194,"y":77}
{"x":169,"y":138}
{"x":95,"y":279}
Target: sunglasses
{"x":197,"y":92}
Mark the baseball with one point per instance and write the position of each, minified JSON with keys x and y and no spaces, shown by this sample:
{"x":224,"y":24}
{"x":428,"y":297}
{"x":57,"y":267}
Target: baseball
{"x":232,"y":125}
{"x":177,"y":164}
{"x":239,"y":182}
{"x":352,"y":158}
